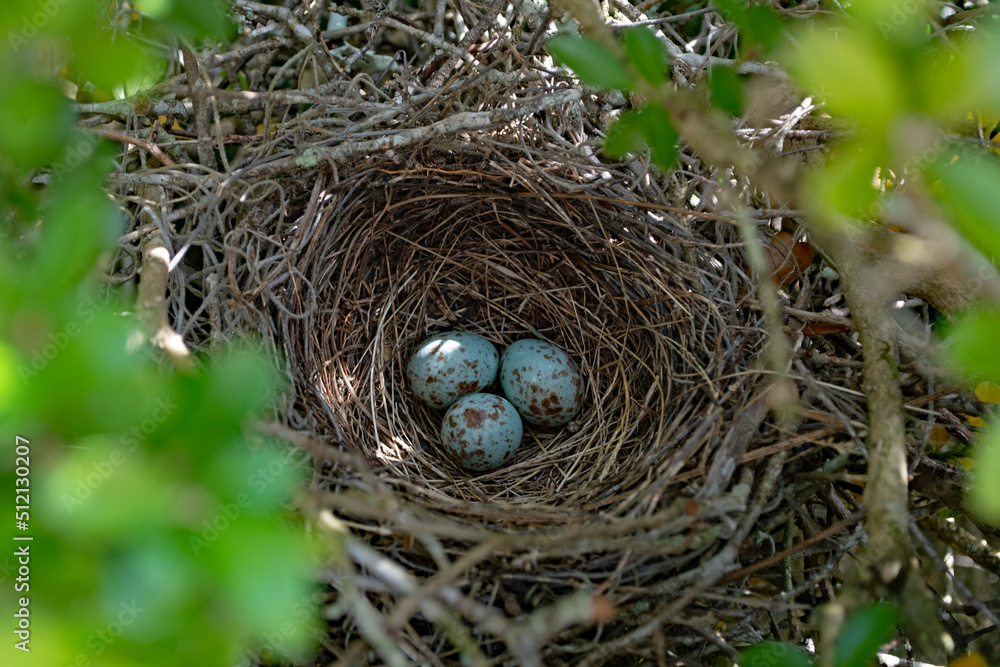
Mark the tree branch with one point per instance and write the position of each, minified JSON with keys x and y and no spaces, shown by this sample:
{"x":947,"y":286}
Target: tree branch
{"x":151,"y":304}
{"x":889,"y":567}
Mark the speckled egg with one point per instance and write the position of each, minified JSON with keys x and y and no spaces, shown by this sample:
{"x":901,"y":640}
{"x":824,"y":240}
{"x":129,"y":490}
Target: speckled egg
{"x":481,"y":431}
{"x":542,"y":381}
{"x":450,"y":365}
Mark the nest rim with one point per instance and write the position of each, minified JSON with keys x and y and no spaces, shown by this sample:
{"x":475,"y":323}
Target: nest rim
{"x":610,"y":282}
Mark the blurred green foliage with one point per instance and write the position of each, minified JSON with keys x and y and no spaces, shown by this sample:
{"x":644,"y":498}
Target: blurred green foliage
{"x":900,"y":84}
{"x":856,"y":645}
{"x":649,"y":125}
{"x":725,"y":91}
{"x":966,"y":185}
{"x":984,"y":495}
{"x":863,"y":634}
{"x":760,"y":26}
{"x":160,"y":534}
{"x":593,"y":62}
{"x":775,"y":654}
{"x":646,"y":54}
{"x":643,"y":70}
{"x":907,"y":87}
{"x":882,"y":65}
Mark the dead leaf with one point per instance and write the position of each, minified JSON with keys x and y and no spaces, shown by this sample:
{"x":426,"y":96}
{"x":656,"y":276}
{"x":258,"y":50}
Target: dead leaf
{"x":786,"y":259}
{"x":822,"y":329}
{"x":974,"y":660}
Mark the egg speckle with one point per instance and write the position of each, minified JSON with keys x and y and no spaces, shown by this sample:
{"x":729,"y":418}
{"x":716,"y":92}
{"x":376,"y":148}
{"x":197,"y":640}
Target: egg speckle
{"x":481,"y":431}
{"x":450,"y":365}
{"x":542,"y":381}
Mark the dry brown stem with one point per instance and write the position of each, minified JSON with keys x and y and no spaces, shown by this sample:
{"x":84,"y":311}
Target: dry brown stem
{"x":151,"y":304}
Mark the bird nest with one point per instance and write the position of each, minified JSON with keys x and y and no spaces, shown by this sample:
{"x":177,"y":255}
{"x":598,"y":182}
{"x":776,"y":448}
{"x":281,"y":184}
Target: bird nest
{"x":406,"y":172}
{"x":648,"y":526}
{"x":592,"y":527}
{"x":416,"y":251}
{"x":416,"y":168}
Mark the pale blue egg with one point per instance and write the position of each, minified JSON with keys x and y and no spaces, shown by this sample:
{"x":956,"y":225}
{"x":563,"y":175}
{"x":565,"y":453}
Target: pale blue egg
{"x":542,"y":381}
{"x":481,"y":431}
{"x":450,"y":365}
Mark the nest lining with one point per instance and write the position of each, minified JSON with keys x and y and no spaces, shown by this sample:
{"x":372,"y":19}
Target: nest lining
{"x":627,"y":292}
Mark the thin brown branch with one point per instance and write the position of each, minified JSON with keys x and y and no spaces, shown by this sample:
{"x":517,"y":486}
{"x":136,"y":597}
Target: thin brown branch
{"x":151,"y":304}
{"x":202,"y":110}
{"x":141,"y":143}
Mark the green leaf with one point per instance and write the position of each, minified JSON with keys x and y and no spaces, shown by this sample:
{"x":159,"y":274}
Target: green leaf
{"x":948,"y":82}
{"x":111,"y":64}
{"x":258,"y":477}
{"x":646,"y":54}
{"x":775,"y":654}
{"x":625,"y":135}
{"x":593,"y":62}
{"x":972,"y":345}
{"x":35,"y":123}
{"x":864,"y":632}
{"x":103,"y":493}
{"x":968,"y":191}
{"x":259,"y":574}
{"x":661,"y":135}
{"x":23,"y":21}
{"x":241,"y":381}
{"x":193,"y":19}
{"x":853,"y":72}
{"x":8,"y":375}
{"x":984,"y":495}
{"x":81,"y":222}
{"x":846,"y":183}
{"x":732,"y":10}
{"x":84,"y":349}
{"x":760,"y":26}
{"x":726,"y":90}
{"x":901,"y":22}
{"x":650,"y":126}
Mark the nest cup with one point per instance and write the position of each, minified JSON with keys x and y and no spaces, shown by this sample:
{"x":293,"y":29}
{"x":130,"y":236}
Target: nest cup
{"x":621,"y":287}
